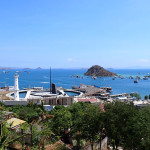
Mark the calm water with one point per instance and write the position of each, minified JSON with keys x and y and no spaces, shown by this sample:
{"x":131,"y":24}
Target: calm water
{"x":62,"y":77}
{"x":69,"y":93}
{"x":21,"y":94}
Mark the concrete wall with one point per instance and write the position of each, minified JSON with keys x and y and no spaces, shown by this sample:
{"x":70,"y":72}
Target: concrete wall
{"x":12,"y":102}
{"x":53,"y":101}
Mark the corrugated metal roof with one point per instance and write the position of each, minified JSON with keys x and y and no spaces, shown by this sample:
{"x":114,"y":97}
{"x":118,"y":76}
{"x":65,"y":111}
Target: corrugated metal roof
{"x":13,"y":122}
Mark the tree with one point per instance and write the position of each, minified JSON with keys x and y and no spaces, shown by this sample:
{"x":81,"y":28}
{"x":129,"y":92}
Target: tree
{"x":77,"y":110}
{"x":62,"y":120}
{"x":29,"y":113}
{"x":7,"y":136}
{"x":142,"y":129}
{"x":116,"y":120}
{"x":146,"y":97}
{"x":137,"y":133}
{"x":136,"y":95}
{"x":86,"y":122}
{"x":91,"y":123}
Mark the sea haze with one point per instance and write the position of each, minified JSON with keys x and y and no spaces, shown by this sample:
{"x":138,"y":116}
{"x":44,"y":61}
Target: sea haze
{"x":63,"y":77}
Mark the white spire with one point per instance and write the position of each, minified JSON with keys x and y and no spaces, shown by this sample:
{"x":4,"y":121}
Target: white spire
{"x":16,"y":93}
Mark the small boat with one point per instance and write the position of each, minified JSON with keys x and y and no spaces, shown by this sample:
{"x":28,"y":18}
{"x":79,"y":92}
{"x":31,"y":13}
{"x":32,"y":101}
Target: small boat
{"x":138,"y":77}
{"x":77,"y":76}
{"x":109,"y":89}
{"x":135,"y":81}
{"x":145,"y":78}
{"x":95,"y":78}
{"x":114,"y":78}
{"x":131,"y":77}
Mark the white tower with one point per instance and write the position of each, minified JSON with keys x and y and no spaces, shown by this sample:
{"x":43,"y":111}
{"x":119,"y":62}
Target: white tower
{"x":16,"y":93}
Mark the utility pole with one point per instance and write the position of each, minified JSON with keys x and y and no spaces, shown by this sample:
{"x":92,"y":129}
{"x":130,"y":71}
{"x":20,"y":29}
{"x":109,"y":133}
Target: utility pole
{"x":50,"y":81}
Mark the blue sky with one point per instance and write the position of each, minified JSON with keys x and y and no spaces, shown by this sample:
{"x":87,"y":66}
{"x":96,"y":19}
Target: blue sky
{"x":75,"y":33}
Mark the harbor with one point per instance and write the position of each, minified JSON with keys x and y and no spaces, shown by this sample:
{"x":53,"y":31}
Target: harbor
{"x":53,"y":96}
{"x":62,"y":78}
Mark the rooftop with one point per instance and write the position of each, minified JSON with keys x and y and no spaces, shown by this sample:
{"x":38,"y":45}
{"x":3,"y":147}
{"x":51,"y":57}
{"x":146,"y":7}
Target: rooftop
{"x":13,"y":122}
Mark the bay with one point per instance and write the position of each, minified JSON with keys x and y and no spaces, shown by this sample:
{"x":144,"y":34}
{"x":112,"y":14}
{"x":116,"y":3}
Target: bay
{"x":63,"y":78}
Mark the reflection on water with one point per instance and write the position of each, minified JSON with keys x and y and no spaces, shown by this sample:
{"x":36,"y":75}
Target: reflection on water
{"x":21,"y":94}
{"x":70,"y":93}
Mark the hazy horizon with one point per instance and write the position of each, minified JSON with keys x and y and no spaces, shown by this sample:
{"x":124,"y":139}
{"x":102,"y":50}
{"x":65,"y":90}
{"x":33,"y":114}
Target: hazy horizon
{"x":133,"y":67}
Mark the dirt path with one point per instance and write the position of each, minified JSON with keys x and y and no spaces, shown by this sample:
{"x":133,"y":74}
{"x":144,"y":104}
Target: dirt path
{"x":3,"y":95}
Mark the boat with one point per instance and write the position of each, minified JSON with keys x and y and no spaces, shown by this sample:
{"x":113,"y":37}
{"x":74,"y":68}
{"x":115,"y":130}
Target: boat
{"x":131,"y":77}
{"x":108,"y":89}
{"x":135,"y":81}
{"x":77,"y":76}
{"x":138,"y":77}
{"x":145,"y":78}
{"x":114,"y":78}
{"x":95,"y":78}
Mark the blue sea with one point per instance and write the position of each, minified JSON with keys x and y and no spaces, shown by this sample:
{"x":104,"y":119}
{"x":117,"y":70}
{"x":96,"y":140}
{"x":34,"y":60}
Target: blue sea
{"x":63,"y":78}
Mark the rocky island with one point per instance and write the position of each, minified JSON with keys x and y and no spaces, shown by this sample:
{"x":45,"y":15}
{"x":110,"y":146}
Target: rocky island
{"x":99,"y":71}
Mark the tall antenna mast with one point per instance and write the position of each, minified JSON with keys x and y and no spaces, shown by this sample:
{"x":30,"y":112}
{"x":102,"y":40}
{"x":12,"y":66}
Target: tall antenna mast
{"x":50,"y":81}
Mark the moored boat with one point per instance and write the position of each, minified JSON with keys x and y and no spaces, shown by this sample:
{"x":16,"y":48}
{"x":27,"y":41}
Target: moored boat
{"x":114,"y":78}
{"x":138,"y":77}
{"x":95,"y":78}
{"x":145,"y":78}
{"x":135,"y":81}
{"x":108,"y":89}
{"x":131,"y":77}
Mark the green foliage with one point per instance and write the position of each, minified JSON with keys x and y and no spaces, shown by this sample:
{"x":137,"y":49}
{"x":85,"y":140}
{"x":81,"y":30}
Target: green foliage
{"x":61,"y":121}
{"x":143,"y":126}
{"x":2,"y":104}
{"x":131,"y":94}
{"x":77,"y":110}
{"x":146,"y":97}
{"x":138,"y":96}
{"x":7,"y":136}
{"x":91,"y":123}
{"x":86,"y":122}
{"x":117,"y":118}
{"x":27,"y":113}
{"x":127,"y":126}
{"x":122,"y":123}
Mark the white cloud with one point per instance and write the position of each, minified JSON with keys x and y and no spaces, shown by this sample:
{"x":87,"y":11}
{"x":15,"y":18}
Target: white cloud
{"x":71,"y":60}
{"x":144,"y":60}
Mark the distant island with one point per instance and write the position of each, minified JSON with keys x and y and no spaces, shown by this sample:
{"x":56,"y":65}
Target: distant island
{"x":99,"y":71}
{"x":84,"y":68}
{"x":5,"y":68}
{"x":26,"y":68}
{"x":39,"y":68}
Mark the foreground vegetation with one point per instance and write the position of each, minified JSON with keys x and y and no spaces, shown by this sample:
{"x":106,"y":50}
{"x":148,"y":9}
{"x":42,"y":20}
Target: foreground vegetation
{"x":122,"y":123}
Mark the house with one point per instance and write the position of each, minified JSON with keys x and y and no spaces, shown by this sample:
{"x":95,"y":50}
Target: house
{"x":14,"y":123}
